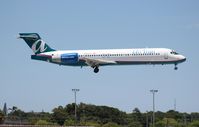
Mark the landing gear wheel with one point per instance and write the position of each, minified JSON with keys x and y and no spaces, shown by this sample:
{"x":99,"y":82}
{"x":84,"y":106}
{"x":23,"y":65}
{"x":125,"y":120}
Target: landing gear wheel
{"x":175,"y":68}
{"x":96,"y":69}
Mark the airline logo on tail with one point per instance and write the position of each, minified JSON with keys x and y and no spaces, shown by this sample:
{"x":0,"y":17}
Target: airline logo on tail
{"x":35,"y":42}
{"x":39,"y":46}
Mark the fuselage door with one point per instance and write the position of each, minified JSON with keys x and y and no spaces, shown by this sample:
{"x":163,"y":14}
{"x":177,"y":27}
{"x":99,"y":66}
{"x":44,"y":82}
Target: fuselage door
{"x":165,"y":55}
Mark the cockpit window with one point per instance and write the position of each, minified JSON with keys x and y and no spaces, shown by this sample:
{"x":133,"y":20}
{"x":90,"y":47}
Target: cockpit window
{"x":173,"y":52}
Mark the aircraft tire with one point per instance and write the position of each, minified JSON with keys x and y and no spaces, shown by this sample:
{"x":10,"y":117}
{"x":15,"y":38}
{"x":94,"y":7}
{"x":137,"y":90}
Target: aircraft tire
{"x":96,"y":69}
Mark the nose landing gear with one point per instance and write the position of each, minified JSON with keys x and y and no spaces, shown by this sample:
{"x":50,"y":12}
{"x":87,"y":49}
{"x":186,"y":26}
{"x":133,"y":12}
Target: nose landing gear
{"x":175,"y":68}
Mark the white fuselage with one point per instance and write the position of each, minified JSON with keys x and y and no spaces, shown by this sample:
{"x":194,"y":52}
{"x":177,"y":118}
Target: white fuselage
{"x":96,"y":58}
{"x":119,"y":56}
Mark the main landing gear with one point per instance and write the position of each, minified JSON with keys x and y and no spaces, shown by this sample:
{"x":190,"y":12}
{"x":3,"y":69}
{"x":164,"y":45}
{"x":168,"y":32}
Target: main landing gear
{"x":96,"y":69}
{"x":175,"y":68}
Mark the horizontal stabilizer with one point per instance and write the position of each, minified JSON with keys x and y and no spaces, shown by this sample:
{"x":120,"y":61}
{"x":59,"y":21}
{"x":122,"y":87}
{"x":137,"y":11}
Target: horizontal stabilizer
{"x":41,"y":57}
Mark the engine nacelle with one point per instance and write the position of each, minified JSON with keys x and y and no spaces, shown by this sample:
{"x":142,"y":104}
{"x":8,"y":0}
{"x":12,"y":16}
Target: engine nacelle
{"x":69,"y":58}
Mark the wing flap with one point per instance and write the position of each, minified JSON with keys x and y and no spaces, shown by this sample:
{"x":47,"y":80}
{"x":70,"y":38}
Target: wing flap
{"x":97,"y":62}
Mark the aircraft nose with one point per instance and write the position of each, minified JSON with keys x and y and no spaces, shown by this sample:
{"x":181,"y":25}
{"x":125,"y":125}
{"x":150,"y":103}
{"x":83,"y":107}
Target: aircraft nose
{"x":182,"y":58}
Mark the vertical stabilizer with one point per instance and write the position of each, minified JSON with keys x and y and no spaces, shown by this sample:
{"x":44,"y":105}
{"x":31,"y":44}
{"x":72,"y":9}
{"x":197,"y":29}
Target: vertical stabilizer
{"x":35,"y":42}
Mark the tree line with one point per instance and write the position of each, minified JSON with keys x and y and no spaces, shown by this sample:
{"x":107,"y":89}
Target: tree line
{"x":99,"y":116}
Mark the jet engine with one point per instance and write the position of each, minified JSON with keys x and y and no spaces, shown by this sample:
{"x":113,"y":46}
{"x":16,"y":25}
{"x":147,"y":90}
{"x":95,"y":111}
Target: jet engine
{"x":69,"y":58}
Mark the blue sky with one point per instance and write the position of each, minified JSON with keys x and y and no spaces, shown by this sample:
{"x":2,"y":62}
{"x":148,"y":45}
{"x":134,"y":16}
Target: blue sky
{"x":34,"y":85}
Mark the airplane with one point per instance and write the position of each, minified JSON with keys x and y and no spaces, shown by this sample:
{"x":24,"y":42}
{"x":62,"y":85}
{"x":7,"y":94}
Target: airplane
{"x":97,"y":58}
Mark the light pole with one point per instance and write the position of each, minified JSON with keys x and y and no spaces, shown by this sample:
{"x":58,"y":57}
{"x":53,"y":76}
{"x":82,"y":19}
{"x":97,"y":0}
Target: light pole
{"x":75,"y":91}
{"x":153,"y":92}
{"x":147,"y":121}
{"x":175,"y":105}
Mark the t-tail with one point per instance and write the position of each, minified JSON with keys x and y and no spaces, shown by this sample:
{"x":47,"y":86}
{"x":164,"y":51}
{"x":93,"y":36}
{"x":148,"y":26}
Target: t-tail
{"x":35,"y":42}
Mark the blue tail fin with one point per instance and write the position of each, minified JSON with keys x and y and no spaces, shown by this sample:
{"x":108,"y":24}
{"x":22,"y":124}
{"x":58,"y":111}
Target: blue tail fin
{"x":35,"y":42}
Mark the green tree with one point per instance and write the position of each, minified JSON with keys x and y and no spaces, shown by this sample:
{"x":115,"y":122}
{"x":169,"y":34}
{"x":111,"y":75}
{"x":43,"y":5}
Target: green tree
{"x":100,"y":114}
{"x":160,"y":123}
{"x":138,"y":115}
{"x":159,"y":115}
{"x":111,"y":124}
{"x":92,"y":123}
{"x":136,"y":118}
{"x":70,"y":109}
{"x":16,"y":114}
{"x":173,"y":114}
{"x":59,"y":115}
{"x":33,"y":117}
{"x":2,"y":117}
{"x":43,"y":122}
{"x":92,"y":115}
{"x":167,"y":122}
{"x":195,"y":116}
{"x":69,"y":122}
{"x":135,"y":124}
{"x":194,"y":124}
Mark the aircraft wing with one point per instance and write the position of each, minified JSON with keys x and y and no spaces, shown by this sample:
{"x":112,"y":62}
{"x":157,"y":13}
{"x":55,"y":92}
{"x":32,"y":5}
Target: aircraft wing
{"x":96,"y":62}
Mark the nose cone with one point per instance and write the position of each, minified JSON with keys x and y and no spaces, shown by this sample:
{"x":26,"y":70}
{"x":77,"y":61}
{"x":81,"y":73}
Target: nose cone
{"x":182,"y":58}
